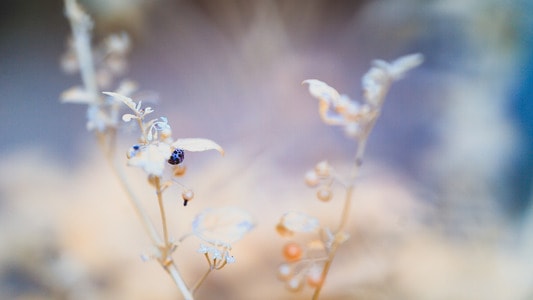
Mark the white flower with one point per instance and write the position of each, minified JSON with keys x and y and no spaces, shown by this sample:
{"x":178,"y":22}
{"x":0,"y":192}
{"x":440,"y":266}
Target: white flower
{"x":152,"y":158}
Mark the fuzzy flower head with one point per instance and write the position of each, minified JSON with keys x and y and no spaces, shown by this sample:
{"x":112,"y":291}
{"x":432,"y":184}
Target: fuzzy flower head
{"x":339,"y":110}
{"x":157,"y":149}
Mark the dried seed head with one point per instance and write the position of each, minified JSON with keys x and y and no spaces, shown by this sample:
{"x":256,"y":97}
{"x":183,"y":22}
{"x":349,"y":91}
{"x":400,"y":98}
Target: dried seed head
{"x":324,"y":193}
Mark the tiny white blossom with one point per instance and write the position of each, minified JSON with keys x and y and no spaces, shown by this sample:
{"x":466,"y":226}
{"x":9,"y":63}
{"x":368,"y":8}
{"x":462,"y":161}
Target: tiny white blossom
{"x":230,"y":259}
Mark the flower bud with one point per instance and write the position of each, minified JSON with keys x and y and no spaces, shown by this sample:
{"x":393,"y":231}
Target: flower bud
{"x":323,"y":169}
{"x":292,"y":252}
{"x":324,"y":194}
{"x":284,"y":271}
{"x":187,"y":196}
{"x":311,"y":178}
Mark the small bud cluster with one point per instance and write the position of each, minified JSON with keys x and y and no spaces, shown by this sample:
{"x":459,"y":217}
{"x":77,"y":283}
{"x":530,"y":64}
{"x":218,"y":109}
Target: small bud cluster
{"x":303,"y":263}
{"x":300,"y":267}
{"x":217,"y":255}
{"x":321,"y":178}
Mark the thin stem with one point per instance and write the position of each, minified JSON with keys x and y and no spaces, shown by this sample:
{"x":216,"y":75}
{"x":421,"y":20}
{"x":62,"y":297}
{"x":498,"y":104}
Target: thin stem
{"x":143,"y":215}
{"x":325,"y":271}
{"x":336,"y":243}
{"x":201,"y":280}
{"x":162,"y":210}
{"x":361,"y":146}
{"x":172,"y":269}
{"x":345,"y":209}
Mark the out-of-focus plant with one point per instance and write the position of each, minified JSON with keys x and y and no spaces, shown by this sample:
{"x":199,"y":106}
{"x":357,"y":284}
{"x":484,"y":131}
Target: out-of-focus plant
{"x":156,"y":152}
{"x":309,"y":263}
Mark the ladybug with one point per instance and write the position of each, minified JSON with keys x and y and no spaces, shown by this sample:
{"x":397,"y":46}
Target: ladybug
{"x":176,"y":157}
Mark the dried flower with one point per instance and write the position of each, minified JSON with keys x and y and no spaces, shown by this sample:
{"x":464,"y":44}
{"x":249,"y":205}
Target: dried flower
{"x":355,"y":117}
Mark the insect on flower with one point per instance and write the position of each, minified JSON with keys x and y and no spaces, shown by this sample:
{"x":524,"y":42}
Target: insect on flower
{"x":176,"y":157}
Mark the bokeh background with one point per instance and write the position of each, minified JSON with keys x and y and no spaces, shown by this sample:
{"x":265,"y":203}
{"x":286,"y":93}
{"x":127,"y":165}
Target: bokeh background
{"x":443,"y":205}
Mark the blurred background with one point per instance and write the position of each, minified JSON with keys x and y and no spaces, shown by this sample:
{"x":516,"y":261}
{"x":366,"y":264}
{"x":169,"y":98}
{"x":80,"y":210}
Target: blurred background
{"x":442,"y":210}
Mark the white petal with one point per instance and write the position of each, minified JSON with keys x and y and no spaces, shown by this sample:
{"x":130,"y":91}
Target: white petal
{"x":197,"y":144}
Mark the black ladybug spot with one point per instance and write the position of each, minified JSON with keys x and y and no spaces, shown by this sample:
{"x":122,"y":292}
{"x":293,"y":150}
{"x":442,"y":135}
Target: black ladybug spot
{"x":176,"y":157}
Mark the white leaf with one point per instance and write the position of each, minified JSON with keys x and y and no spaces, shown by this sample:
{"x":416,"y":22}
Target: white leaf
{"x":128,"y":101}
{"x":197,"y":144}
{"x":226,"y":225}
